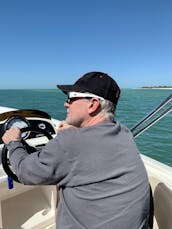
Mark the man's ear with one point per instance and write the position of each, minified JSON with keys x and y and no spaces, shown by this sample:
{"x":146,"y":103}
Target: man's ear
{"x":94,"y":106}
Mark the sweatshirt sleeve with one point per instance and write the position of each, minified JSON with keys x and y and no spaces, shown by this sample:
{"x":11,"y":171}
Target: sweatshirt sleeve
{"x":48,"y":166}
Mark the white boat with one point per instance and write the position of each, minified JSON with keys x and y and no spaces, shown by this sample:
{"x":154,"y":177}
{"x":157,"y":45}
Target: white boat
{"x":34,"y":207}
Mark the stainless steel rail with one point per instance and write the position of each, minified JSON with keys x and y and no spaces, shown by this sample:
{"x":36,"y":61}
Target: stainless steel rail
{"x":137,"y":132}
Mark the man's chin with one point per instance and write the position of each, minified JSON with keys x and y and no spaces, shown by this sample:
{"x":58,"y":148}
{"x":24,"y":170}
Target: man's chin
{"x":69,"y":121}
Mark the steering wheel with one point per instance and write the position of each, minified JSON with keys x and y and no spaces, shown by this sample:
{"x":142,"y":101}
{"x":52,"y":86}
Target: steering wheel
{"x":30,"y":149}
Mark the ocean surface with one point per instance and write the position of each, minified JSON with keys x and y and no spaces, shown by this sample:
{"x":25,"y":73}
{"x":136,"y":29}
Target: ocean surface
{"x":134,"y":104}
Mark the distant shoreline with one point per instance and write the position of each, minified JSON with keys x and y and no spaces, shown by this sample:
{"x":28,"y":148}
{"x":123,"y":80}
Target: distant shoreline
{"x":160,"y":87}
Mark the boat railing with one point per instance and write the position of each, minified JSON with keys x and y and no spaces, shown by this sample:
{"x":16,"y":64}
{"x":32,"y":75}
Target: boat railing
{"x":153,"y":117}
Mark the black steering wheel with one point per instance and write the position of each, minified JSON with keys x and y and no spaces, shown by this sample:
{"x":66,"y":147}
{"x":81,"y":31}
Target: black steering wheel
{"x":30,"y":149}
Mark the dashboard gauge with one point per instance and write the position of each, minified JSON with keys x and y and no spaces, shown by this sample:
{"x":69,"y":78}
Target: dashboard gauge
{"x":17,"y":121}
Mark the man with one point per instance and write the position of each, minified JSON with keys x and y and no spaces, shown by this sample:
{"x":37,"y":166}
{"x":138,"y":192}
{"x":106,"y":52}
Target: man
{"x":93,"y":160}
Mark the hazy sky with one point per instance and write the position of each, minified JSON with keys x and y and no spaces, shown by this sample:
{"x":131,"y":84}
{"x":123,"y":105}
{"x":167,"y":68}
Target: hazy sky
{"x":48,"y":42}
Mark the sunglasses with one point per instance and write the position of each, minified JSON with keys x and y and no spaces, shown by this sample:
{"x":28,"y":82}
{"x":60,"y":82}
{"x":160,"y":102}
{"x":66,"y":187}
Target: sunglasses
{"x":71,"y":100}
{"x":73,"y":96}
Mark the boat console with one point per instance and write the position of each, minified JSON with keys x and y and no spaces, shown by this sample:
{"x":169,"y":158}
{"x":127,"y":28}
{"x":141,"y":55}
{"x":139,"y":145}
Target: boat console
{"x":26,"y":118}
{"x":24,"y":206}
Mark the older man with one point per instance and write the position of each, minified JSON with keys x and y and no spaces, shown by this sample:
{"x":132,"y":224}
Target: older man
{"x":93,"y":160}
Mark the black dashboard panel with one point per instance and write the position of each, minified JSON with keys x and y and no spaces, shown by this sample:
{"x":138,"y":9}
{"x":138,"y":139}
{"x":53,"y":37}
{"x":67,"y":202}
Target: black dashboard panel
{"x":26,"y":118}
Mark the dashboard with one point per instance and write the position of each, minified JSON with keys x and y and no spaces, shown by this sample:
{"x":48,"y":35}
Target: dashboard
{"x":26,"y":118}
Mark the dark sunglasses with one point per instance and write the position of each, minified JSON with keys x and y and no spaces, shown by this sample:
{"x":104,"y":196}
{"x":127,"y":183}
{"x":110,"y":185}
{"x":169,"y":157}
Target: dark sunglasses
{"x":71,"y":100}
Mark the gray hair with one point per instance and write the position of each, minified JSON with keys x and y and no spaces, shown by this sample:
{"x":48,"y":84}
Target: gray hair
{"x":107,"y":109}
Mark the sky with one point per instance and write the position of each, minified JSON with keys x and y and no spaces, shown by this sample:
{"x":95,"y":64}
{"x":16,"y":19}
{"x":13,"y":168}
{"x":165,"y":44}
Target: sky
{"x":48,"y":42}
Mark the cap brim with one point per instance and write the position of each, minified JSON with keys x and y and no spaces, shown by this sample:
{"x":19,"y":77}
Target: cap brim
{"x":69,"y":88}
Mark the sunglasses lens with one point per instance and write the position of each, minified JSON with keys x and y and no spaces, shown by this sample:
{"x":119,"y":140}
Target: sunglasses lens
{"x":70,"y":100}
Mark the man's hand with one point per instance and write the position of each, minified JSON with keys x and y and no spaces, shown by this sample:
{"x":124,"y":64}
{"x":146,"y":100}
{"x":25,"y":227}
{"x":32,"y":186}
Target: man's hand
{"x":64,"y":125}
{"x":13,"y":134}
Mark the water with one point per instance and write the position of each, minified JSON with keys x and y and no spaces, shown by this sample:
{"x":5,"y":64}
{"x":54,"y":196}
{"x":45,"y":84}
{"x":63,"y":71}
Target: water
{"x":134,"y":104}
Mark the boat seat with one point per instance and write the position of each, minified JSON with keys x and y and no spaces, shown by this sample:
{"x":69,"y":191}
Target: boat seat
{"x":163,"y":206}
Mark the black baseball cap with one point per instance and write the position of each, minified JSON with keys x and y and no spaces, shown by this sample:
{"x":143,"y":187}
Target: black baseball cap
{"x":97,"y":83}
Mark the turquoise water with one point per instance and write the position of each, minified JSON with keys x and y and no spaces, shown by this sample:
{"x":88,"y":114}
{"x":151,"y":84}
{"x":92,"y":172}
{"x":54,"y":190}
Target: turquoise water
{"x":134,"y":104}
